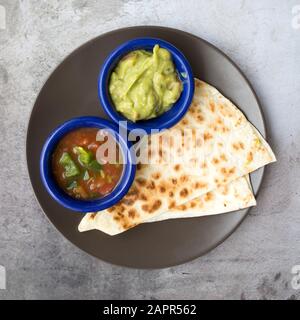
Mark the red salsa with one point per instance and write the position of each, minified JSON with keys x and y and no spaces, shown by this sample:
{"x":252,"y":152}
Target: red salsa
{"x":78,"y":167}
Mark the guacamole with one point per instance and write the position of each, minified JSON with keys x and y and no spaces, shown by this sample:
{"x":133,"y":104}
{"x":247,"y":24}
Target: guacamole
{"x":144,"y":84}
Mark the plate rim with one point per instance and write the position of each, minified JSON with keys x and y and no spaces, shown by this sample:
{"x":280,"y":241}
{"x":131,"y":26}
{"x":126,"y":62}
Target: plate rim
{"x":124,"y":29}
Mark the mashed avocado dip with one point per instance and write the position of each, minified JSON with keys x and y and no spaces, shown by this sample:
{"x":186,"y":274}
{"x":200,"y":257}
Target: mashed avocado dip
{"x":144,"y":84}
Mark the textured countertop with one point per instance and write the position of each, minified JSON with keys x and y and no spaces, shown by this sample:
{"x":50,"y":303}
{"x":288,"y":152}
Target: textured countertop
{"x":256,"y":261}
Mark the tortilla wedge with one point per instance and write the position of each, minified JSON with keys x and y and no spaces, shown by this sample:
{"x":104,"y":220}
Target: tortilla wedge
{"x":230,"y":148}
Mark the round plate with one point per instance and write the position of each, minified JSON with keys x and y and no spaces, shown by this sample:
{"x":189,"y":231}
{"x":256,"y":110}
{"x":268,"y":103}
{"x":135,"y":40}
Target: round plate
{"x":71,"y":91}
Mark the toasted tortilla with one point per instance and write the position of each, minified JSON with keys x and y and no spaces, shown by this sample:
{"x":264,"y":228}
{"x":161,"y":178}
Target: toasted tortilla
{"x":233,"y":196}
{"x":229,"y":148}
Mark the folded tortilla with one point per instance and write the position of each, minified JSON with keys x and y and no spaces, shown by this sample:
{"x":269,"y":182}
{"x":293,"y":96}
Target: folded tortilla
{"x":233,"y":196}
{"x":229,"y":148}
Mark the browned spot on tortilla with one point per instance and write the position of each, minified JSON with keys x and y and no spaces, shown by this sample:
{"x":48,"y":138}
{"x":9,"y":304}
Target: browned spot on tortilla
{"x":111,"y":209}
{"x":220,"y":144}
{"x":227,"y":172}
{"x":177,"y":167}
{"x":250,"y":156}
{"x":145,"y":207}
{"x":197,"y":84}
{"x":150,"y":185}
{"x":93,"y":215}
{"x":127,"y":225}
{"x":219,"y":120}
{"x":156,"y":205}
{"x":194,"y":131}
{"x":193,"y":204}
{"x":225,"y":205}
{"x":143,"y":197}
{"x":174,"y":181}
{"x":185,"y":121}
{"x":192,"y":109}
{"x":241,"y":145}
{"x":212,"y":106}
{"x":208,"y":196}
{"x":225,"y":129}
{"x":231,"y":171}
{"x":131,"y":213}
{"x":116,"y":218}
{"x":239,"y":121}
{"x":121,"y":208}
{"x":184,"y":192}
{"x":207,"y":136}
{"x":133,"y":191}
{"x":141,"y":181}
{"x":171,"y":194}
{"x":200,"y":117}
{"x":182,"y":207}
{"x":182,"y":141}
{"x":162,"y":189}
{"x":138,"y":166}
{"x":200,"y":185}
{"x":172,"y":205}
{"x":132,"y":194}
{"x":171,"y":141}
{"x":184,"y":178}
{"x":215,"y":161}
{"x":156,"y":175}
{"x":224,"y":171}
{"x":120,"y":214}
{"x":236,"y":146}
{"x":223,"y":157}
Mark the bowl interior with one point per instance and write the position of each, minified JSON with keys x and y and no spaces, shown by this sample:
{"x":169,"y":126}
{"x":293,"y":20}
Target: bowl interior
{"x":50,"y":182}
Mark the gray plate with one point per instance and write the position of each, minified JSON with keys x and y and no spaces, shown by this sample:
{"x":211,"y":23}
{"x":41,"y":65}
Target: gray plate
{"x":71,"y":91}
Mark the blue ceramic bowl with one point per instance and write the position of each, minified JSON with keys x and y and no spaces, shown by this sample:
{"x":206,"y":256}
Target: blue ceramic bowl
{"x":64,"y":199}
{"x":167,"y":119}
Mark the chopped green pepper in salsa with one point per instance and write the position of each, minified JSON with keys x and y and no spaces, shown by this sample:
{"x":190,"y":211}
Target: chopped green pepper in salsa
{"x":144,"y":84}
{"x":77,"y":170}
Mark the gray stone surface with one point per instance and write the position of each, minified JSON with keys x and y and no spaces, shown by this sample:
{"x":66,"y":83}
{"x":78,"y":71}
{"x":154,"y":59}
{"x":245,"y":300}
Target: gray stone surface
{"x":256,"y":261}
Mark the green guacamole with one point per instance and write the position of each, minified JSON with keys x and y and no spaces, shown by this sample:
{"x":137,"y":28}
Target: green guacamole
{"x":144,"y":84}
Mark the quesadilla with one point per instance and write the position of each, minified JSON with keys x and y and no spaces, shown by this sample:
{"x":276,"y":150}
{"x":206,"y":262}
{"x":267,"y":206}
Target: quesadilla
{"x":229,"y":148}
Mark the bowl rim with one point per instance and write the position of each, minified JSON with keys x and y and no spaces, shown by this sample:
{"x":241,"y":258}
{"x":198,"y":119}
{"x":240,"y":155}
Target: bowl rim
{"x":83,"y":206}
{"x":155,"y":123}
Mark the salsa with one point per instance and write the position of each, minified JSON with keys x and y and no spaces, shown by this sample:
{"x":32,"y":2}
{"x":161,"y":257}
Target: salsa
{"x":77,"y":168}
{"x":145,"y":84}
